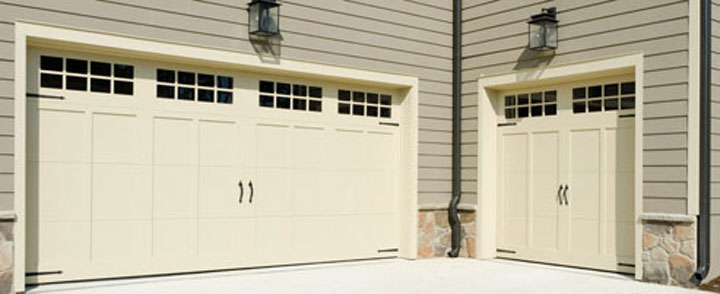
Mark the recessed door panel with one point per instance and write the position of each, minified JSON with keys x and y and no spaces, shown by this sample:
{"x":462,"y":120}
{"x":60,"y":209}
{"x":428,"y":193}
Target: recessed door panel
{"x":544,"y":190}
{"x":515,"y":183}
{"x":585,"y":189}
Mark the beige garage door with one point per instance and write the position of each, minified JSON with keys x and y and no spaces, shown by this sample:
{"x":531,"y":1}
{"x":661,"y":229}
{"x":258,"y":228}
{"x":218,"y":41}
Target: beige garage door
{"x":138,"y":168}
{"x":566,"y":174}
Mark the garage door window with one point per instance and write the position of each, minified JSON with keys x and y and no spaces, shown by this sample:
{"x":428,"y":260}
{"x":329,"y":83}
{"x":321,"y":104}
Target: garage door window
{"x":191,"y":86}
{"x":290,"y":96}
{"x":607,"y":97}
{"x":74,"y":74}
{"x":536,"y":104}
{"x":364,"y":104}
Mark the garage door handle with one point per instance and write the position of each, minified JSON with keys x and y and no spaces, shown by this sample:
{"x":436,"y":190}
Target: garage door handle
{"x":559,"y":194}
{"x":242,"y":191}
{"x":252,"y":191}
{"x":565,"y":194}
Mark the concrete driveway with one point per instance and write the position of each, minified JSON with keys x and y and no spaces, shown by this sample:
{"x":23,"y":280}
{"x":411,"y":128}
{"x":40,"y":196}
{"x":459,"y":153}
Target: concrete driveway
{"x":380,"y":276}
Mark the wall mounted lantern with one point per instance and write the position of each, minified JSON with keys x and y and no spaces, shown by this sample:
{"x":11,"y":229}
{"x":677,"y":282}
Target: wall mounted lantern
{"x":543,"y":30}
{"x":264,"y":18}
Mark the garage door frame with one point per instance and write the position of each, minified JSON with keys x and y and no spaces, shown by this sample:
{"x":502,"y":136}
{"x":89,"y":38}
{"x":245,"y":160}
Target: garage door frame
{"x":99,"y":42}
{"x":488,"y":89}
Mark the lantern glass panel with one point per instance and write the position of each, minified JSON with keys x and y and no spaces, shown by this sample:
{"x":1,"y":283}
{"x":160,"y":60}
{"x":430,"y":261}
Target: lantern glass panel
{"x":551,"y":35}
{"x":254,"y":18}
{"x":270,"y":20}
{"x":537,"y":35}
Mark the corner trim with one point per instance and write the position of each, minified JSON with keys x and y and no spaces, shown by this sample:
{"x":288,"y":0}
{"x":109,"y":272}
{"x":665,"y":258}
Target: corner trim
{"x":693,"y":165}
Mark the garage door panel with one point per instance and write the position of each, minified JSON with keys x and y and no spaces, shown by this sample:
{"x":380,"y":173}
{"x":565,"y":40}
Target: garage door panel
{"x":174,"y":141}
{"x":585,"y":190}
{"x":227,"y":237}
{"x":380,"y":189}
{"x":273,"y":192}
{"x":312,"y":237}
{"x":348,"y":150}
{"x":65,"y":189}
{"x":309,"y":192}
{"x":115,"y":138}
{"x":174,"y":191}
{"x":309,"y":147}
{"x":545,"y":184}
{"x":515,"y":185}
{"x":344,"y":186}
{"x":380,"y":150}
{"x":219,"y":192}
{"x":272,"y":240}
{"x":51,"y":257}
{"x":218,"y":143}
{"x":122,"y":242}
{"x":175,"y":238}
{"x":120,"y":191}
{"x":61,"y":135}
{"x":272,"y":146}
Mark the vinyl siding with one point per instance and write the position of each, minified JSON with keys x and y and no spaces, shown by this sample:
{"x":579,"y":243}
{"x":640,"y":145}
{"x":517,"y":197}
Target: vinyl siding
{"x":715,"y":144}
{"x":411,"y":37}
{"x":495,"y":39}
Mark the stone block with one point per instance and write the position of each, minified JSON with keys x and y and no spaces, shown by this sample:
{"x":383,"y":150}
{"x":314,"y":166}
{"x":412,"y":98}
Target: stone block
{"x":649,"y":241}
{"x":6,"y":279}
{"x":6,"y":255}
{"x":6,"y":231}
{"x":681,"y":269}
{"x":656,"y":272}
{"x":684,"y":232}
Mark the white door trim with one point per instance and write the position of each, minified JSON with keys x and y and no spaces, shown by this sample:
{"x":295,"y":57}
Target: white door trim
{"x":488,"y":88}
{"x":102,"y":42}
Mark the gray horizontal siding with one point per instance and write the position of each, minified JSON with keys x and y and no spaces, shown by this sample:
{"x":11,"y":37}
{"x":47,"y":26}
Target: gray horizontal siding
{"x":494,"y":42}
{"x":408,"y":37}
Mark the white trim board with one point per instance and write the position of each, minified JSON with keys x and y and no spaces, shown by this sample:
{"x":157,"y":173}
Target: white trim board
{"x":693,"y":98}
{"x":112,"y":44}
{"x":487,"y":127}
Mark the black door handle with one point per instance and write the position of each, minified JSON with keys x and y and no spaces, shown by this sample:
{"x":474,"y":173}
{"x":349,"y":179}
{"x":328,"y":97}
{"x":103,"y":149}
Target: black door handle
{"x":242,"y":191}
{"x":252,"y":191}
{"x":565,"y":194}
{"x":559,"y":194}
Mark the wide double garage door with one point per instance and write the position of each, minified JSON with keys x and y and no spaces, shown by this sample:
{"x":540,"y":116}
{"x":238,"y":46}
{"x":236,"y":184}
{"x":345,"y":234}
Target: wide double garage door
{"x":566,"y":176}
{"x":139,"y":167}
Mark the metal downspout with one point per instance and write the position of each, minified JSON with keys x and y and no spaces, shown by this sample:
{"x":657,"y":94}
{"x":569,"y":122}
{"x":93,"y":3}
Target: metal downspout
{"x":703,"y":222}
{"x":454,"y":220}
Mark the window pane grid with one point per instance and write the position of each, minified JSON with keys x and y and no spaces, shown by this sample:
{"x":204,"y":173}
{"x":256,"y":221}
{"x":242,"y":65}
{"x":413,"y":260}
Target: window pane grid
{"x":192,"y":86}
{"x":534,"y":104}
{"x":606,"y":97}
{"x":368,"y":104}
{"x":285,"y":95}
{"x":82,"y":75}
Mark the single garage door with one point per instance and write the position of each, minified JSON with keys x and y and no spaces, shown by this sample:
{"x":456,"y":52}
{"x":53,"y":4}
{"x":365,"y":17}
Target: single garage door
{"x":139,"y":167}
{"x":566,"y":174}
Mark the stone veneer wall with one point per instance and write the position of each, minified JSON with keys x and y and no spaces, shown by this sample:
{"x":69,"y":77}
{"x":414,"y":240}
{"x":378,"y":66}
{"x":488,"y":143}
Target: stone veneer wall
{"x":6,"y":254}
{"x":669,"y":252}
{"x":434,"y":233}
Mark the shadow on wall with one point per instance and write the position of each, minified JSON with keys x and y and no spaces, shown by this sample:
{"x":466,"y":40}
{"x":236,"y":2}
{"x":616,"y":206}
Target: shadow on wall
{"x":267,"y":48}
{"x":530,"y":59}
